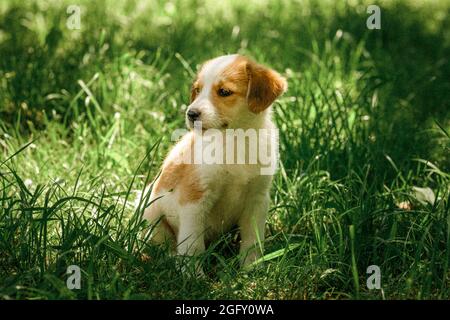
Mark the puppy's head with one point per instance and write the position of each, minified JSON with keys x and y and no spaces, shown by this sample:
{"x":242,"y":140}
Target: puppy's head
{"x":230,"y":90}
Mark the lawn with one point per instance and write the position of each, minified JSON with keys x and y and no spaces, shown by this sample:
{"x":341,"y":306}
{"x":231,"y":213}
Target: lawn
{"x":86,"y":117}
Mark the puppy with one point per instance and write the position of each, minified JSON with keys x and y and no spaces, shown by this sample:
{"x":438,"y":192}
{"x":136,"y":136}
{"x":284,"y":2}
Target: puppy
{"x":193,"y":202}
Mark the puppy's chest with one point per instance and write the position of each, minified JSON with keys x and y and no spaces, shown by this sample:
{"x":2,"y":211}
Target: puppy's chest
{"x":231,"y":190}
{"x":230,"y":177}
{"x":235,"y":183}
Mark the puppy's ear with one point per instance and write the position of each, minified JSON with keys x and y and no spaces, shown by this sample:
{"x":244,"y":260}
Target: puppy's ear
{"x":264,"y":86}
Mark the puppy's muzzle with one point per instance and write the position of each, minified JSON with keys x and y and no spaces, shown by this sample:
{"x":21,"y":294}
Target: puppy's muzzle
{"x":193,"y":115}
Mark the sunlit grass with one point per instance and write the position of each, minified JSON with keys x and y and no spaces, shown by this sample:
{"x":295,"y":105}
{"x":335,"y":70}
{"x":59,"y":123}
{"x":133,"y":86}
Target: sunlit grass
{"x":86,"y":118}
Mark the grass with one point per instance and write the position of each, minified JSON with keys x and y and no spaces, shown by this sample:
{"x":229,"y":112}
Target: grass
{"x":86,"y":117}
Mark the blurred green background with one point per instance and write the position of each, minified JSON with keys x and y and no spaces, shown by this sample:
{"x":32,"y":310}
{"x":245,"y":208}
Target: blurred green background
{"x":86,"y":117}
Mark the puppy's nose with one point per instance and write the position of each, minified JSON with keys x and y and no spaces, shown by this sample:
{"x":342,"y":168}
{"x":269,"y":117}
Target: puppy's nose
{"x":193,"y":115}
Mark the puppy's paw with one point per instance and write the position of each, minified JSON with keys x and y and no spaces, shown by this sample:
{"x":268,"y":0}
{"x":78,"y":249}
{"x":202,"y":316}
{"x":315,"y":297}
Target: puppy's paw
{"x":250,"y":261}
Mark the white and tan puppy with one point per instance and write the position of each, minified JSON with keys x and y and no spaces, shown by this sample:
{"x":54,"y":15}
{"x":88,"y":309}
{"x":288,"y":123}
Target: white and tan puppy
{"x":194,"y":201}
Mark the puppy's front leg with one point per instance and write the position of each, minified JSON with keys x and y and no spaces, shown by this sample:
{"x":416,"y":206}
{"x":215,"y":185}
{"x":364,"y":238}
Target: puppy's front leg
{"x":191,"y":240}
{"x":252,"y":224}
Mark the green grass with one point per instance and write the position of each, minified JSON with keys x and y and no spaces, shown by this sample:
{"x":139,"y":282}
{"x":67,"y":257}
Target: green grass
{"x":86,"y":118}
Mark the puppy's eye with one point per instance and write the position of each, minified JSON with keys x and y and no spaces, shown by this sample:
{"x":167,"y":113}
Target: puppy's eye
{"x":224,"y":92}
{"x":196,"y":90}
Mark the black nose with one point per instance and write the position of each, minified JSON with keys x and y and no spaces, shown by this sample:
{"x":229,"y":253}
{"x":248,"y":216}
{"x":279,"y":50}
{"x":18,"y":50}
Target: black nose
{"x":193,"y":115}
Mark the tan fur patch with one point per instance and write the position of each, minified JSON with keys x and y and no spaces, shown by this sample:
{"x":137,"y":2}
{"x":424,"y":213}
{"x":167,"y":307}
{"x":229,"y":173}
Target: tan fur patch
{"x":235,"y":79}
{"x":181,"y":176}
{"x":265,"y":86}
{"x":195,"y":89}
{"x":250,"y":80}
